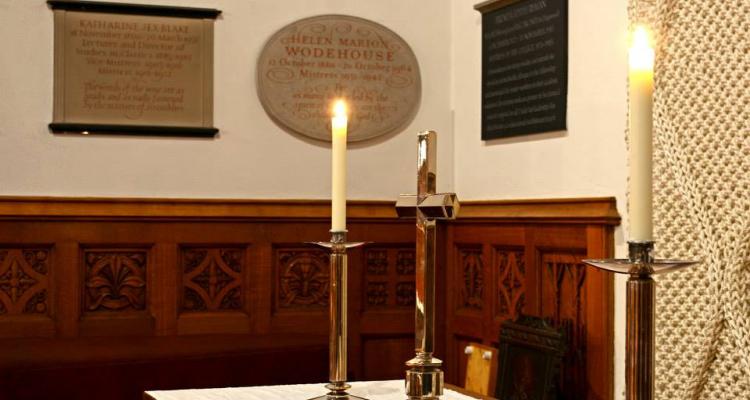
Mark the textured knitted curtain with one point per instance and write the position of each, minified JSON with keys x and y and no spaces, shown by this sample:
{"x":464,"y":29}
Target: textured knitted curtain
{"x":702,"y":195}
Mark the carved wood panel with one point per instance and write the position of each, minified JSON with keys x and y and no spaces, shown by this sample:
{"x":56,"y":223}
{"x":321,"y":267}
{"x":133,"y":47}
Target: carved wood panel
{"x":114,"y":280}
{"x":471,"y":268}
{"x":389,"y":276}
{"x":386,"y":316}
{"x":302,"y":278}
{"x":563,"y":302}
{"x":510,"y":271}
{"x":212,"y":278}
{"x":503,"y":270}
{"x":24,"y":281}
{"x":116,"y":270}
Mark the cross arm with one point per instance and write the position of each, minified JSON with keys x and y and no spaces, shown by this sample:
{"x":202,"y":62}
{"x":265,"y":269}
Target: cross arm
{"x":435,"y":206}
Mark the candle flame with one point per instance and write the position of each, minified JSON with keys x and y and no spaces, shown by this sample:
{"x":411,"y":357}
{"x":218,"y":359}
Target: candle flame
{"x":641,"y":50}
{"x":339,"y":108}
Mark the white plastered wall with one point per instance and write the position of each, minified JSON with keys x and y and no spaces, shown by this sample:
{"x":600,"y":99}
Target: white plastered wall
{"x":252,"y":157}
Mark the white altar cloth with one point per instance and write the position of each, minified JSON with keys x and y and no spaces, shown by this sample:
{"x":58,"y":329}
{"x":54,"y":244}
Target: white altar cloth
{"x":373,"y":390}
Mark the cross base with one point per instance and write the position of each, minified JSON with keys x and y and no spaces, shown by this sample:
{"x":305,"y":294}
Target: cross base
{"x":424,"y":383}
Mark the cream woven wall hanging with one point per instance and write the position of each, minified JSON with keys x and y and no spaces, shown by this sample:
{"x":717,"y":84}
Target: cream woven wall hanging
{"x":702,"y":195}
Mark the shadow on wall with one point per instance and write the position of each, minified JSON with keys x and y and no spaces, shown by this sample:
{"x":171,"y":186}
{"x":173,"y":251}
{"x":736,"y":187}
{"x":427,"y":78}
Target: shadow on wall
{"x":534,"y":137}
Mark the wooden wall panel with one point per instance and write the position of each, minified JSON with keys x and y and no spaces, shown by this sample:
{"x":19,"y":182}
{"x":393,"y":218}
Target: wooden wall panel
{"x":383,"y":357}
{"x":139,"y":291}
{"x":26,"y":300}
{"x":534,"y":267}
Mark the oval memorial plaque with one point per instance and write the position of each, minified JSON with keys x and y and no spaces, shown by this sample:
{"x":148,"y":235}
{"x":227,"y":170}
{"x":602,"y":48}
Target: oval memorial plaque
{"x":309,"y":63}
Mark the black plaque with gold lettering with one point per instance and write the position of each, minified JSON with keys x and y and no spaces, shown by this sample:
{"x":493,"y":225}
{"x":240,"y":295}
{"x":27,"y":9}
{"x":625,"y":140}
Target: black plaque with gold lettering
{"x":524,"y":66}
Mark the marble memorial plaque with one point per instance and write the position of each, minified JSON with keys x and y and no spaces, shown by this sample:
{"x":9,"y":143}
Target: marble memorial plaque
{"x":120,"y":72}
{"x":307,"y":64}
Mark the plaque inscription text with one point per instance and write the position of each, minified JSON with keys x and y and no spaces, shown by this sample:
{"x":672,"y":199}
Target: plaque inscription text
{"x":524,"y":67}
{"x":114,"y":69}
{"x":309,"y":63}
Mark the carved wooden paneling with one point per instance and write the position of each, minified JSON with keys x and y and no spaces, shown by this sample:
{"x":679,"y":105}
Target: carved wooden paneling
{"x":405,"y":279}
{"x":302,"y":278}
{"x":534,"y":269}
{"x":376,"y":262}
{"x":385,"y":321}
{"x":389,"y":276}
{"x":510,"y":282}
{"x":24,"y":281}
{"x":405,"y":294}
{"x":471,"y":267}
{"x":564,"y":301}
{"x":114,"y":280}
{"x":212,"y":278}
{"x":115,"y":304}
{"x":405,"y":262}
{"x":376,"y":293}
{"x":376,"y":277}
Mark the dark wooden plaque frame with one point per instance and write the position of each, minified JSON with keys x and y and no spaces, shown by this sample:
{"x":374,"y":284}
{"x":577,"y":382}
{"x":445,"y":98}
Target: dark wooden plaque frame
{"x":144,"y":10}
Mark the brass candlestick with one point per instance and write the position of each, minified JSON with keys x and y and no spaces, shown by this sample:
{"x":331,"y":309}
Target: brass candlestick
{"x":337,"y":385}
{"x":424,"y":379}
{"x":641,"y":292}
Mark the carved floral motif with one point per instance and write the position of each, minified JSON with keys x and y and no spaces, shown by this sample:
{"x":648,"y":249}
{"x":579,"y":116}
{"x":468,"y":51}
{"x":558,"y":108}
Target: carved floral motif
{"x":405,"y":262}
{"x":115,"y":280}
{"x":37,"y":304}
{"x":511,"y":288}
{"x":212,"y":279}
{"x":377,"y":261}
{"x":405,"y":293}
{"x":302,"y":278}
{"x":24,"y":281}
{"x":565,"y":278}
{"x":472,"y":267}
{"x":389,"y":281}
{"x":566,"y":274}
{"x":377,"y":293}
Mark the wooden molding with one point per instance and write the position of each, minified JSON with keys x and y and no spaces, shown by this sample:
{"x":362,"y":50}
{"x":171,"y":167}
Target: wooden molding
{"x":576,"y":210}
{"x":601,"y":210}
{"x":126,"y":8}
{"x":492,"y":5}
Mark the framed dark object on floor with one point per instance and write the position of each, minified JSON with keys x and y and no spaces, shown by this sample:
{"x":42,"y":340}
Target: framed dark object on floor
{"x":530,"y":355}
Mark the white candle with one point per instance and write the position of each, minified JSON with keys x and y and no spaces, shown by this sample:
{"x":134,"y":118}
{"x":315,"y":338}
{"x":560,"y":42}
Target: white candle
{"x":641,"y":60}
{"x":338,"y":167}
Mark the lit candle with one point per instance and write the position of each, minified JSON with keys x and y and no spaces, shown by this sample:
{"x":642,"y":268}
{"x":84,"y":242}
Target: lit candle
{"x":338,"y":167}
{"x":641,"y":60}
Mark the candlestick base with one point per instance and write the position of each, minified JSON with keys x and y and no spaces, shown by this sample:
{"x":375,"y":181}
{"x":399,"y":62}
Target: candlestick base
{"x":338,"y":392}
{"x":337,"y":396}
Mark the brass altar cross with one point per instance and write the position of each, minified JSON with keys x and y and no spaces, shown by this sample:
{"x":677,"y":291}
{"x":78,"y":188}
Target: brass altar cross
{"x":424,"y":379}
